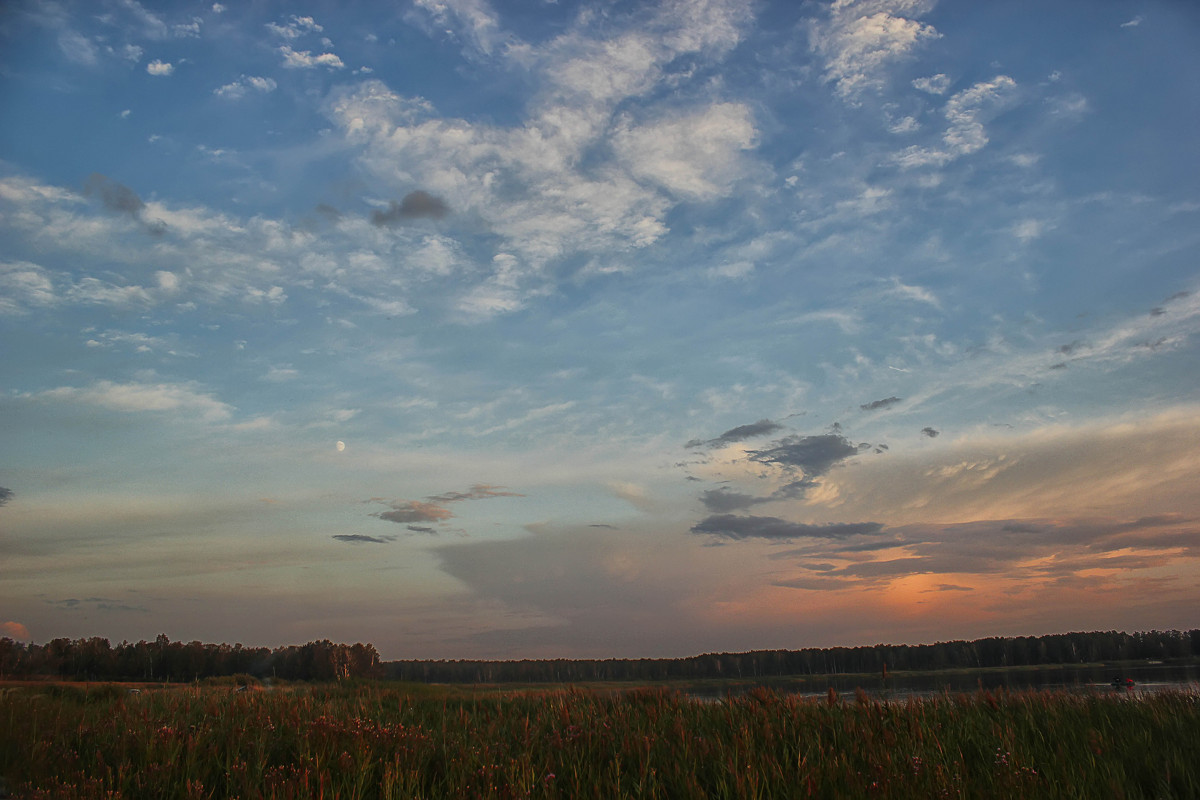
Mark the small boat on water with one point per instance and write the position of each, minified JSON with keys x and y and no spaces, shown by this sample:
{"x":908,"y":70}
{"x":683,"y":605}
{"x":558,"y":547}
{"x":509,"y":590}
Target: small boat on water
{"x":1122,"y":683}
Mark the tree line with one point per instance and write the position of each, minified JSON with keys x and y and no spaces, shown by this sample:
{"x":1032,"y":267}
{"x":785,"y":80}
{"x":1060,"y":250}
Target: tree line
{"x":163,"y":660}
{"x":1065,"y":648}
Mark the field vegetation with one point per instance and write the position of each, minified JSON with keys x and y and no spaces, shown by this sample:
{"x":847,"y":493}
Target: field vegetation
{"x":375,"y":740}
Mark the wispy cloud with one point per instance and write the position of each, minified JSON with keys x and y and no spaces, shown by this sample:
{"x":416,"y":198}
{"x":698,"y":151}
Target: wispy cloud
{"x":186,"y":398}
{"x":732,"y":526}
{"x":861,"y":40}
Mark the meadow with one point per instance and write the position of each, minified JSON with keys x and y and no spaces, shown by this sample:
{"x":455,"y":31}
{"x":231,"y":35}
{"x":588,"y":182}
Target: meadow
{"x":374,"y":740}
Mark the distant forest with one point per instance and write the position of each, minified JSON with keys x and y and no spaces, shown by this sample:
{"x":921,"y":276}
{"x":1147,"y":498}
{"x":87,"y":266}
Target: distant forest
{"x":1063,"y":648}
{"x":163,"y":660}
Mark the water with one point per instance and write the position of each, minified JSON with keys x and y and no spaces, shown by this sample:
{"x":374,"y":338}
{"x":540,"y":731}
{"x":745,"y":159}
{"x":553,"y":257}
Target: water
{"x":1147,"y":678}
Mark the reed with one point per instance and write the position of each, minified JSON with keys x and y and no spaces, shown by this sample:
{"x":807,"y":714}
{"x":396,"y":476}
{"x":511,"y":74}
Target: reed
{"x":379,"y":741}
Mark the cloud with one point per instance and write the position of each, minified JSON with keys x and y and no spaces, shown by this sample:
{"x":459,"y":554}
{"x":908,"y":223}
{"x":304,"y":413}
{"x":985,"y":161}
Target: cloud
{"x":1132,"y":464}
{"x":860,"y":40}
{"x":471,"y":20}
{"x":295,"y":27}
{"x":238,"y":89}
{"x":731,"y":526}
{"x":814,"y":455}
{"x":415,"y":205}
{"x":876,"y":405}
{"x":479,"y":491}
{"x":932,"y":433}
{"x":742,"y":432}
{"x":583,"y":172}
{"x":78,"y":48}
{"x":405,"y":511}
{"x":304,"y":59}
{"x":724,"y":500}
{"x":14,"y":630}
{"x":692,"y":155}
{"x":24,"y":285}
{"x":965,"y":112}
{"x":113,"y":196}
{"x":421,"y":529}
{"x":141,"y":397}
{"x":934,"y":84}
{"x":358,"y":538}
{"x":5,"y":495}
{"x":160,"y":68}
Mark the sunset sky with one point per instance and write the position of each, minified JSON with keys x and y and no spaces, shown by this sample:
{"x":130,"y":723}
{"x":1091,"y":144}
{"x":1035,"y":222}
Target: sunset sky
{"x":481,"y":329}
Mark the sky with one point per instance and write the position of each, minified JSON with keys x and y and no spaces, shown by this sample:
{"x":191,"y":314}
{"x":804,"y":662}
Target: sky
{"x":489,"y":329}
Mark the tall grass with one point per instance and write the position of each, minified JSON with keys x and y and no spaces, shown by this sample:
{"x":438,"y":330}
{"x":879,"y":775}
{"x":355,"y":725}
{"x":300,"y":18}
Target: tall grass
{"x":374,"y":741}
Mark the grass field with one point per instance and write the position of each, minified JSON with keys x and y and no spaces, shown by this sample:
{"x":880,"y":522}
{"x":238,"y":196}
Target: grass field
{"x":387,"y":741}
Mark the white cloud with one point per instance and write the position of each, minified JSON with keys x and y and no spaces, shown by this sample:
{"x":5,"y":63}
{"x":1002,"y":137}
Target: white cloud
{"x":914,"y":293}
{"x":93,"y":291}
{"x":77,"y":48}
{"x":474,"y":19}
{"x":934,"y":84}
{"x":304,"y":59}
{"x":1028,"y":229}
{"x":160,"y":68}
{"x":1133,"y":23}
{"x":281,"y":374}
{"x":152,"y":27}
{"x":861,"y":39}
{"x":187,"y":30}
{"x":295,"y":27}
{"x":237,"y":89}
{"x":693,"y":155}
{"x":137,"y":397}
{"x":965,"y":112}
{"x":274,"y":296}
{"x":24,"y":285}
{"x":528,"y":182}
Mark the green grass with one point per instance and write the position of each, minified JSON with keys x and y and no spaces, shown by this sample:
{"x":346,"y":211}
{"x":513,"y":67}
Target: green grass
{"x":386,"y":741}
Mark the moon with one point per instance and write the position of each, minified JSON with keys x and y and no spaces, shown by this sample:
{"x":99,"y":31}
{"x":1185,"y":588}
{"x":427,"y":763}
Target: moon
{"x":340,"y":446}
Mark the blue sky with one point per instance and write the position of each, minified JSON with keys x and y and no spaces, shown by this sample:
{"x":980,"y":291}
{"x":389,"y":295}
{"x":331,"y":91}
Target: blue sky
{"x":598,"y":329}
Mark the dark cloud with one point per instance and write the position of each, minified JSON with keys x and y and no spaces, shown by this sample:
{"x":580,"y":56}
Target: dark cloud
{"x":114,"y":196}
{"x":1059,"y":365}
{"x":415,"y":205}
{"x":329,"y":212}
{"x":1157,"y":311}
{"x":732,"y":526}
{"x":932,"y":433}
{"x":763,"y":427}
{"x":5,"y":495}
{"x":793,"y":489}
{"x":113,"y":605}
{"x":720,"y":501}
{"x":406,"y":511}
{"x":815,"y":455}
{"x":1179,"y":295}
{"x":421,"y":529}
{"x":480,"y":491}
{"x":358,"y":538}
{"x":432,"y":509}
{"x":1068,"y":349}
{"x":876,"y":405}
{"x":604,"y":525}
